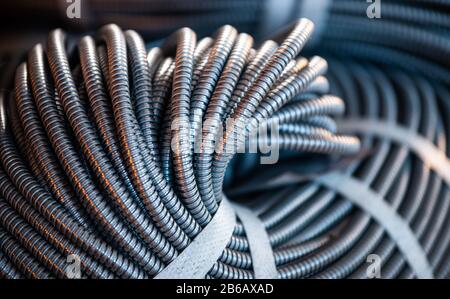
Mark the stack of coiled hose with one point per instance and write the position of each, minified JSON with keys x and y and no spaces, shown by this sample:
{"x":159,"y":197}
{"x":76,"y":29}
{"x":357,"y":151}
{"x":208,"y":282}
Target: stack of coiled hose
{"x":393,"y":70}
{"x":98,"y":159}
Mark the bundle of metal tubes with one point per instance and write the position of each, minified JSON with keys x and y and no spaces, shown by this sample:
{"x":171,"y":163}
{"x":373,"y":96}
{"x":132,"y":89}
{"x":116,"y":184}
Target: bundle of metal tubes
{"x":393,"y":70}
{"x":396,"y":69}
{"x":97,"y":148}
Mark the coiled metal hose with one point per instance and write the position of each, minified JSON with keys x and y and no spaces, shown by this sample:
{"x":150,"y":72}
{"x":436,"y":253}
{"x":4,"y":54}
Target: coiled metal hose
{"x":389,"y":168}
{"x":390,"y":69}
{"x":98,"y":149}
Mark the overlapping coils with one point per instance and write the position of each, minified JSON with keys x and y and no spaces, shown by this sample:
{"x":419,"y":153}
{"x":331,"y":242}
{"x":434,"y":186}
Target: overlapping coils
{"x":97,"y":147}
{"x":390,"y":168}
{"x":393,"y":70}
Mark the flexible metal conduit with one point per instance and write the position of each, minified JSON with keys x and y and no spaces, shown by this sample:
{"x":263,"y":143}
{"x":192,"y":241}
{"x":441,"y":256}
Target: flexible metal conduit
{"x":97,"y":149}
{"x":393,"y":69}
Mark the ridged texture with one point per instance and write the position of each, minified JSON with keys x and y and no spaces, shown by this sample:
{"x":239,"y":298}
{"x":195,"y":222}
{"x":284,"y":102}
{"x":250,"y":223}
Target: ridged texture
{"x":108,"y":152}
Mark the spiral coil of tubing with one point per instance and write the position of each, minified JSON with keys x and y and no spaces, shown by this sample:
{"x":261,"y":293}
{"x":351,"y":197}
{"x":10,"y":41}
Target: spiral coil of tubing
{"x":393,"y":69}
{"x":88,"y":165}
